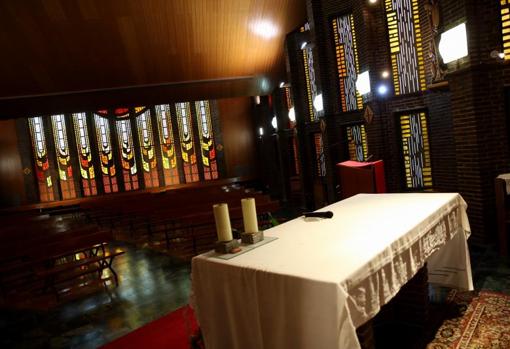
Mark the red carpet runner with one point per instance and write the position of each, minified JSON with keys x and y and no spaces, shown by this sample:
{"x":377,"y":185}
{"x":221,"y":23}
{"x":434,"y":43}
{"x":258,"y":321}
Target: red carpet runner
{"x":169,"y":332}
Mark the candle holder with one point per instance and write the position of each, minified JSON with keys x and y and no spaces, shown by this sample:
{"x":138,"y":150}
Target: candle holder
{"x":226,"y":246}
{"x":252,"y":238}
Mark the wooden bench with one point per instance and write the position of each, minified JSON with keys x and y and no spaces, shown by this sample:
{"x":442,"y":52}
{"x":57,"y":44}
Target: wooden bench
{"x":76,"y":269}
{"x":196,"y":233}
{"x":47,"y":261}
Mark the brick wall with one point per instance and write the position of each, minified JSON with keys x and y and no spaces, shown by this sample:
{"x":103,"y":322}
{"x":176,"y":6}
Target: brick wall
{"x":467,"y":120}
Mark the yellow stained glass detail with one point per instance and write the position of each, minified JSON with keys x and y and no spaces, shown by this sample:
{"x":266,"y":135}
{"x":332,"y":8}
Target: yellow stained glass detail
{"x":358,"y":145}
{"x":308,"y":88}
{"x":342,"y":68}
{"x":505,"y":23}
{"x":416,"y":151}
{"x":406,"y":46}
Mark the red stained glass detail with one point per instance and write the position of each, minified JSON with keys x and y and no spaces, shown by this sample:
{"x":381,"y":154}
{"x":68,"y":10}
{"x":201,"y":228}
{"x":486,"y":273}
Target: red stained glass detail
{"x":120,"y":112}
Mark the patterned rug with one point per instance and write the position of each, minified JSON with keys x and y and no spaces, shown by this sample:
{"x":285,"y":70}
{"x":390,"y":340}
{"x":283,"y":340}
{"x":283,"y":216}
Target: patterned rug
{"x":483,"y":322}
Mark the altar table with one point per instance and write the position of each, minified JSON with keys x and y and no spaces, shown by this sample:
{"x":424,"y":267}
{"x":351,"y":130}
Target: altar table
{"x":322,"y":278}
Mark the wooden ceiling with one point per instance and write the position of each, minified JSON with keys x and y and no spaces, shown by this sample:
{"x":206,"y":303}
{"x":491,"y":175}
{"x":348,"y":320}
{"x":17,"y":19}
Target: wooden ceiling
{"x":64,"y":46}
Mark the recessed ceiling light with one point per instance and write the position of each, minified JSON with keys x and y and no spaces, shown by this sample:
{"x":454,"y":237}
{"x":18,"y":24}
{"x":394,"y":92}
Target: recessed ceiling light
{"x":382,"y":90}
{"x":264,"y":28}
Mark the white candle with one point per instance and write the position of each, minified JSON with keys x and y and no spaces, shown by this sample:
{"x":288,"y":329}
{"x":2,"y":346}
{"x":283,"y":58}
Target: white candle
{"x":250,"y":215}
{"x":222,"y":219}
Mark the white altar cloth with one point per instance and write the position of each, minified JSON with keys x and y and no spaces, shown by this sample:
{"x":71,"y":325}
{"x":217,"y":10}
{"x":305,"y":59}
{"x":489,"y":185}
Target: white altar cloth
{"x":323,"y":278}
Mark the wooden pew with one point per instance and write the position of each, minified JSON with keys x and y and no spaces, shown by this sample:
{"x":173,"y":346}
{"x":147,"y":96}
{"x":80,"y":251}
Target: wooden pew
{"x":75,"y":269}
{"x":195,"y":233}
{"x":46,"y":262}
{"x":173,"y":219}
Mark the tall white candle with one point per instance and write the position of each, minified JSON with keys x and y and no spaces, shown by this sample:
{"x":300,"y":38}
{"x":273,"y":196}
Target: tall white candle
{"x":222,"y":219}
{"x":250,"y":215}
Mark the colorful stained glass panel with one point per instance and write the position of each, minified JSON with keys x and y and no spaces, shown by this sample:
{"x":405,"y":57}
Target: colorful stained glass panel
{"x":319,"y":155}
{"x":406,"y":50}
{"x":147,"y":149}
{"x":357,"y":138}
{"x":104,"y":144}
{"x":41,"y":162}
{"x":87,"y":173}
{"x":416,"y":150}
{"x":347,"y":62}
{"x":311,"y":87}
{"x":207,"y":147}
{"x":166,"y":136}
{"x":65,"y":170}
{"x":188,"y":154}
{"x":127,"y":154}
{"x":505,"y":30}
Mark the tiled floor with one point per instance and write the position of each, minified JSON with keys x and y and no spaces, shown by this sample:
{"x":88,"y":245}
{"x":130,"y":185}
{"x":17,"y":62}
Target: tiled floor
{"x":152,"y":285}
{"x":490,"y":271}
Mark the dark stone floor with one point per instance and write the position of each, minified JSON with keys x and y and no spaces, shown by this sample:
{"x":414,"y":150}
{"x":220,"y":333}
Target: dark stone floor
{"x":490,"y":271}
{"x":151,"y":285}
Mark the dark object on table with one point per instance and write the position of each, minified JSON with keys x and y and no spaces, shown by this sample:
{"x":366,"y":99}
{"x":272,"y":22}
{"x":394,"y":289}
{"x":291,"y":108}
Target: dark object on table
{"x":326,"y":214}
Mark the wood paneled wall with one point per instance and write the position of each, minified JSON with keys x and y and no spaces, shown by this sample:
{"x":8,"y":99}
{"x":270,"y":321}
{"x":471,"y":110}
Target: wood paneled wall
{"x":238,"y":132}
{"x":12,"y":191}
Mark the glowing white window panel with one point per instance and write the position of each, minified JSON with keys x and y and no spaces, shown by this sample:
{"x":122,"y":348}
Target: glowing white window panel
{"x":453,"y":44}
{"x":363,"y":83}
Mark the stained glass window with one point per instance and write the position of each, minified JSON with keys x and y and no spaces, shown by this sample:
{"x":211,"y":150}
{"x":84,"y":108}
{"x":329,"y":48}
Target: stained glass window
{"x":289,"y":103}
{"x":104,"y":144}
{"x":288,"y":98}
{"x":347,"y":62}
{"x":65,"y":170}
{"x":319,"y":155}
{"x":88,"y":181}
{"x":357,"y":138}
{"x":41,"y":163}
{"x":127,"y":154}
{"x":207,"y":148}
{"x":416,"y":150}
{"x":189,"y":157}
{"x":405,"y":46}
{"x":147,"y":149}
{"x":117,"y":112}
{"x":169,"y":157}
{"x":292,"y":124}
{"x":505,"y":23}
{"x":311,"y":87}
